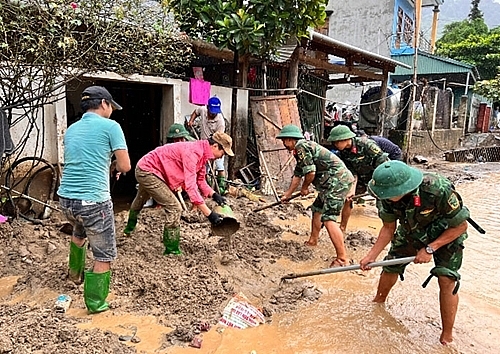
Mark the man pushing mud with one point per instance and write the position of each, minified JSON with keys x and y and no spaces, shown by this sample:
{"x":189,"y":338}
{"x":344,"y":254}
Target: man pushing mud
{"x":432,"y":224}
{"x":332,"y":180}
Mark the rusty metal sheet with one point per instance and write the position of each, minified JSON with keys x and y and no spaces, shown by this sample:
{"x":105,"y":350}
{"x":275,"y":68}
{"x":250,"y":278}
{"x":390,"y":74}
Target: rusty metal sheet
{"x":270,"y":114}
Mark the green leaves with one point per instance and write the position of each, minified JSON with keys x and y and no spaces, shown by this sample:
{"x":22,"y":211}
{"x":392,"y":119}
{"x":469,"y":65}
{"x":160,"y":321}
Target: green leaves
{"x":489,"y":88}
{"x":93,"y":35}
{"x":255,"y":27}
{"x":472,"y":42}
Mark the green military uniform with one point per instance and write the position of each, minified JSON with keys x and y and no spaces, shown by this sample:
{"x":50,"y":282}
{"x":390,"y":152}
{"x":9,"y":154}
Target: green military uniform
{"x":440,"y":207}
{"x":363,"y":157}
{"x":332,"y":179}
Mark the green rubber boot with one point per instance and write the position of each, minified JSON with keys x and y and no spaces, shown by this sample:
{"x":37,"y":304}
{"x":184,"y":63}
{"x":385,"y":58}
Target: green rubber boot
{"x":221,"y":182}
{"x":76,"y":262}
{"x":132,"y":221}
{"x":96,"y":290}
{"x":171,"y":239}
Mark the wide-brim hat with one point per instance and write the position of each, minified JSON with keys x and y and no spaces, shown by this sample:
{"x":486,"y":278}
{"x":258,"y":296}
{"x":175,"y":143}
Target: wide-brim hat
{"x":225,"y":140}
{"x":99,"y":92}
{"x":394,"y":179}
{"x":290,"y":131}
{"x":341,"y":132}
{"x":177,"y":131}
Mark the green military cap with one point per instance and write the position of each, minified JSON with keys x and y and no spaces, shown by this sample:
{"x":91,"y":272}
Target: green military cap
{"x":178,"y":131}
{"x":341,"y":132}
{"x":290,"y":131}
{"x":394,"y":179}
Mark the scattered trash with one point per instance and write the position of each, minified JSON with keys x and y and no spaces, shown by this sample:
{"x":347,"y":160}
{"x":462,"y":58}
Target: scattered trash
{"x":3,"y":219}
{"x":420,"y":159}
{"x":240,"y":313}
{"x":205,"y":326}
{"x":132,"y":338}
{"x":66,"y":228}
{"x":62,"y":303}
{"x":196,"y":342}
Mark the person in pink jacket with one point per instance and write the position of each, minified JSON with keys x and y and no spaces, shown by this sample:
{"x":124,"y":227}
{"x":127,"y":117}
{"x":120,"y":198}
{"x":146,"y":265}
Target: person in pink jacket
{"x":170,"y":168}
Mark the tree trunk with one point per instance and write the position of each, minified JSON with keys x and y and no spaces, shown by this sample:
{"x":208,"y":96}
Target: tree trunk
{"x":294,"y":67}
{"x":239,"y":123}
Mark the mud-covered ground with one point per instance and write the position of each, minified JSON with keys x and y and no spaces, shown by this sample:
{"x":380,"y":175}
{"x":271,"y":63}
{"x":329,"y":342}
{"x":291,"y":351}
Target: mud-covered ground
{"x":182,"y":292}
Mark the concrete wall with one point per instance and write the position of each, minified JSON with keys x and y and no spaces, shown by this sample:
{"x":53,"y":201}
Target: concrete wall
{"x":422,"y":144}
{"x":224,"y":94}
{"x":175,"y":105}
{"x":366,"y":24}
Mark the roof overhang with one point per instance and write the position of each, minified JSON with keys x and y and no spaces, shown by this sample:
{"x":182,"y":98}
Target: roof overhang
{"x":428,"y":3}
{"x":358,"y":64}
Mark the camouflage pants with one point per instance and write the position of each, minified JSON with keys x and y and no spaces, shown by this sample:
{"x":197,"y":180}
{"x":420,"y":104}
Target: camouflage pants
{"x":447,"y":259}
{"x":330,"y":200}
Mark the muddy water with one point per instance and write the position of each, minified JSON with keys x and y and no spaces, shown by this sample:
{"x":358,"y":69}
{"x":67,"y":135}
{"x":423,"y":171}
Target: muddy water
{"x":345,"y":320}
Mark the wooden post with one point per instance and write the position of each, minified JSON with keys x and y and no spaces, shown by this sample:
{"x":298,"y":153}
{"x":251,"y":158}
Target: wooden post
{"x":434,"y":111}
{"x":264,"y":77}
{"x":435,"y":19}
{"x":294,"y":67}
{"x":238,"y":124}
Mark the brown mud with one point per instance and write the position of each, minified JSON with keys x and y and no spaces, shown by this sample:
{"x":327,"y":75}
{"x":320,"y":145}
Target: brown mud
{"x":181,"y":292}
{"x":162,"y":301}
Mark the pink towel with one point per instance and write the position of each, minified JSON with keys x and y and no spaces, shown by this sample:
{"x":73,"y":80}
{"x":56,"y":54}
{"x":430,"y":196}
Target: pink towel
{"x":199,"y":91}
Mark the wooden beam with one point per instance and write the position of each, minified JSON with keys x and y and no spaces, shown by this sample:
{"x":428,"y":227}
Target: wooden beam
{"x":210,"y":50}
{"x":321,"y":64}
{"x":352,"y":80}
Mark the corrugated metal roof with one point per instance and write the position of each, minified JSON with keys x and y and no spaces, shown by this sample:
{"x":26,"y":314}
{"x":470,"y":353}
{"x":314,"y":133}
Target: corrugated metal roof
{"x":361,"y":56}
{"x":433,"y":64}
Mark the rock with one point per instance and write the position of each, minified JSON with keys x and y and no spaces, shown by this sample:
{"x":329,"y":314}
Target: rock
{"x":6,"y":345}
{"x":50,"y":248}
{"x":23,"y":251}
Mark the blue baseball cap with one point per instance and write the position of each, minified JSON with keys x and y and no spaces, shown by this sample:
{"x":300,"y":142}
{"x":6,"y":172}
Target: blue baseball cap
{"x":214,"y":105}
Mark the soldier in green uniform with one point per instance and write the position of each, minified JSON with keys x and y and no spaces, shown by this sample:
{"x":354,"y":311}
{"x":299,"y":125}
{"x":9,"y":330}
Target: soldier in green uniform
{"x":332,"y":180}
{"x":361,"y":156}
{"x":432,"y":224}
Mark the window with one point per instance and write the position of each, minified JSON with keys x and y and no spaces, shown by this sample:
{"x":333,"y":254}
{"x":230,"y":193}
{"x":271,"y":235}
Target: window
{"x":399,"y":28}
{"x":408,"y":30}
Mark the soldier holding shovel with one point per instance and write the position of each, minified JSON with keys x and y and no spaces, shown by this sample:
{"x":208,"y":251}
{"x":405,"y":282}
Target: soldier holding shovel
{"x":333,"y":181}
{"x":432,"y":224}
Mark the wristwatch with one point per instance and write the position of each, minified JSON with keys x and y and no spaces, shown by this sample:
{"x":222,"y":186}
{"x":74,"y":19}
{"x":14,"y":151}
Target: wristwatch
{"x":429,"y":249}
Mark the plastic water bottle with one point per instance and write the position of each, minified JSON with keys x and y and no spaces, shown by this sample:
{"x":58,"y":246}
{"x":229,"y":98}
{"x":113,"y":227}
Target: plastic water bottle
{"x":62,"y":303}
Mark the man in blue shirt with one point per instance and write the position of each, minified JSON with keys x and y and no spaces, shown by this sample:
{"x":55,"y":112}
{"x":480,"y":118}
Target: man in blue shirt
{"x":84,"y":193}
{"x":385,"y":144}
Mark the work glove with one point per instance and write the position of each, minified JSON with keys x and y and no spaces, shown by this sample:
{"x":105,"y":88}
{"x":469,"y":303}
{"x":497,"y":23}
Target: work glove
{"x":219,"y":199}
{"x":215,"y":218}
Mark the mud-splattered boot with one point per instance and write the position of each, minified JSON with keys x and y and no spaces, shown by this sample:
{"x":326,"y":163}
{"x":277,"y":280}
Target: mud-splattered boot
{"x":76,"y":262}
{"x":132,"y":221}
{"x":171,"y":239}
{"x":96,"y":290}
